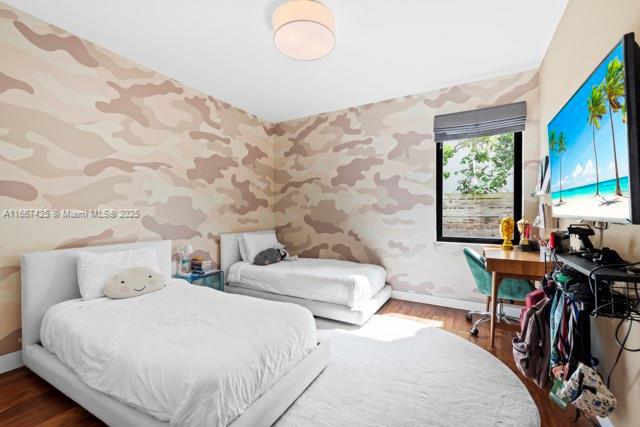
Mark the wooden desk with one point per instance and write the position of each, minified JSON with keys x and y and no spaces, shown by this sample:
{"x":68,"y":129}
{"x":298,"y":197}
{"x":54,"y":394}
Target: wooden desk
{"x":515,"y":264}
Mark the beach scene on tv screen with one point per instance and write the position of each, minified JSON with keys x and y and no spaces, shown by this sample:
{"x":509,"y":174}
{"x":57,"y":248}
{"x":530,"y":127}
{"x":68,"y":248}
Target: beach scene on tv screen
{"x":588,"y":147}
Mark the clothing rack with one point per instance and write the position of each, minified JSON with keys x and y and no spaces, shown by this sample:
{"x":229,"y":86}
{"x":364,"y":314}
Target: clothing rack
{"x":571,"y":307}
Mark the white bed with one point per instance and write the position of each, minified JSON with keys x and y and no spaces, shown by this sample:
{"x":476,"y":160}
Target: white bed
{"x":185,"y":355}
{"x":328,"y":280}
{"x":340,"y":290}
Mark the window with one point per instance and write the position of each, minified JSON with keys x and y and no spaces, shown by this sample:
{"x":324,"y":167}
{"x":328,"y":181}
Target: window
{"x":479,"y":181}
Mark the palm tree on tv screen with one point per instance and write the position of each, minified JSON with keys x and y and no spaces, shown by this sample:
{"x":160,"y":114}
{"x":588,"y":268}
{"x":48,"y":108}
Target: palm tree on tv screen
{"x":597,"y":110}
{"x":553,"y":140}
{"x":613,"y":87}
{"x":561,"y":147}
{"x":557,"y":144}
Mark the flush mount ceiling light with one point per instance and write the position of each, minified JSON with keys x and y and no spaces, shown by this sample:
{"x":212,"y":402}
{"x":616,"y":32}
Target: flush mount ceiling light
{"x":303,"y":29}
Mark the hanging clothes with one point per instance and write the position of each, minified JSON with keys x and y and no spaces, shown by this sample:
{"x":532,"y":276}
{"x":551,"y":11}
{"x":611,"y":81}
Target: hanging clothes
{"x":570,"y":327}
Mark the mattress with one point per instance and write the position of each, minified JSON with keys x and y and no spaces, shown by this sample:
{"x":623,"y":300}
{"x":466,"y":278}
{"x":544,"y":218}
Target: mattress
{"x":185,"y":354}
{"x":327,"y":280}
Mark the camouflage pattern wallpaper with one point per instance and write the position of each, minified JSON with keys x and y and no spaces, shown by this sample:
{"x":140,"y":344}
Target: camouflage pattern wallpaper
{"x":360,"y":184}
{"x":83,"y":129}
{"x":95,"y":149}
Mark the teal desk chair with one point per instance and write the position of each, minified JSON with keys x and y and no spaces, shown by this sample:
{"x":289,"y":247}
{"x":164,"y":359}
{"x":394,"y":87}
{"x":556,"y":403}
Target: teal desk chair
{"x":510,"y":290}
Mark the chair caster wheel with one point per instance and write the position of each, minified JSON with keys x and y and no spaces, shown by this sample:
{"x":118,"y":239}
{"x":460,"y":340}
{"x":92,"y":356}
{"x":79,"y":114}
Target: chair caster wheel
{"x":468,"y":317}
{"x":473,"y":332}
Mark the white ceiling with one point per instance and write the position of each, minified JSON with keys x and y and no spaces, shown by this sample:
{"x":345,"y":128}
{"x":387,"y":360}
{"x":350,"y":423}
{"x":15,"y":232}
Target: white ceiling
{"x":384,"y":49}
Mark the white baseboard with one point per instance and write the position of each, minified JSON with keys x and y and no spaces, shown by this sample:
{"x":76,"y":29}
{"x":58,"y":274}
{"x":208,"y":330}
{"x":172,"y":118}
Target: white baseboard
{"x":11,"y":361}
{"x":450,"y":302}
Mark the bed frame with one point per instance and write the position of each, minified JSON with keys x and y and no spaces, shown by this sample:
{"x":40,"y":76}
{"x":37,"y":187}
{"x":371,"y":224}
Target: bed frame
{"x":50,"y":277}
{"x":230,"y":254}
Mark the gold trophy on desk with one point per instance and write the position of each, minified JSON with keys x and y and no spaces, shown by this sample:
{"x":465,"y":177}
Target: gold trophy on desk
{"x":523,"y":228}
{"x":506,"y":230}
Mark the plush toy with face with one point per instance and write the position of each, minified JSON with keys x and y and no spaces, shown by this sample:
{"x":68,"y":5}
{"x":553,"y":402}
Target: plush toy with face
{"x":133,"y":282}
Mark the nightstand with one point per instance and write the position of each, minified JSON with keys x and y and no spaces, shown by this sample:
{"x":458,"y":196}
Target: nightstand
{"x":213,"y":279}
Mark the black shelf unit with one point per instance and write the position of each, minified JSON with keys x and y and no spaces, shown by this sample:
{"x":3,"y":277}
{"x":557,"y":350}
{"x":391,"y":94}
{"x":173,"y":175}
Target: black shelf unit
{"x":616,"y":291}
{"x":585,"y":267}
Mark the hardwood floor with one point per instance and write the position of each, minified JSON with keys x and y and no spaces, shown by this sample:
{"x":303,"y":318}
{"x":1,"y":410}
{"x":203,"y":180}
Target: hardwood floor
{"x":27,"y":400}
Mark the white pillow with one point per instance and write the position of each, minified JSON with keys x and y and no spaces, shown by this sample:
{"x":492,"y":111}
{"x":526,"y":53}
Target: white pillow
{"x":243,"y":251}
{"x":133,"y":282}
{"x":96,"y":268}
{"x":254,"y":243}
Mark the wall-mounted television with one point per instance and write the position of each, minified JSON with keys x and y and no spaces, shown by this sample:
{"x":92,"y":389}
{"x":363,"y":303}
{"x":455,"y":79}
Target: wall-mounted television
{"x":594,"y":145}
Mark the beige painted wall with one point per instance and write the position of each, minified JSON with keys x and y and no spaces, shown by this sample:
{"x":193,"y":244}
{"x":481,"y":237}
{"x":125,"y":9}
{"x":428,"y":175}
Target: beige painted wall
{"x":83,"y":128}
{"x":587,"y":32}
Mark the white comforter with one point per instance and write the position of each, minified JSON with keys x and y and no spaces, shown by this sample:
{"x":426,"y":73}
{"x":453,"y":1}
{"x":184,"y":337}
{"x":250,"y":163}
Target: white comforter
{"x":186,"y":354}
{"x":327,"y":280}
